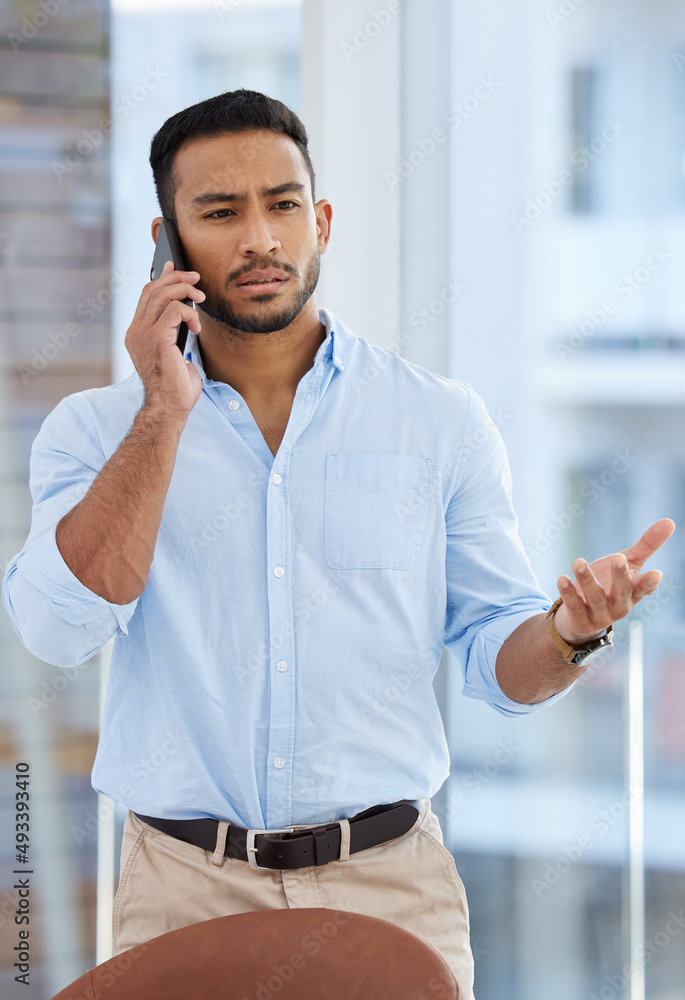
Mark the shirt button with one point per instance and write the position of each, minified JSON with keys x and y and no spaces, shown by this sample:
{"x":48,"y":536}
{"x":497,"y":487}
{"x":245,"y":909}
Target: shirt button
{"x":279,"y":762}
{"x":282,"y":665}
{"x":278,"y":571}
{"x":277,"y":479}
{"x":234,"y":404}
{"x":336,"y":359}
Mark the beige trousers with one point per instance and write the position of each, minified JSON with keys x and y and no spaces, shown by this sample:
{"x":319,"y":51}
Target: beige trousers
{"x":411,"y":881}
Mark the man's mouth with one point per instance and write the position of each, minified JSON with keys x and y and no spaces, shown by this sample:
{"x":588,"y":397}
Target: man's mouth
{"x":266,"y":279}
{"x":263,"y":281}
{"x":255,"y":287}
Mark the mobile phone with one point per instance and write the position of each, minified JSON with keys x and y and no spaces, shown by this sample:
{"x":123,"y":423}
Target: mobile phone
{"x":168,"y":247}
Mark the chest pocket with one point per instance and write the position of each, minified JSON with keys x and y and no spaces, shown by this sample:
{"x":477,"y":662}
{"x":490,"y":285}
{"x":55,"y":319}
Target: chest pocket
{"x":376,"y":510}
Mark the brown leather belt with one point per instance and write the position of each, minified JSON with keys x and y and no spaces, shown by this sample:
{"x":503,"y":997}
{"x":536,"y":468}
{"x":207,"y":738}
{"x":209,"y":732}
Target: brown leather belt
{"x":316,"y":845}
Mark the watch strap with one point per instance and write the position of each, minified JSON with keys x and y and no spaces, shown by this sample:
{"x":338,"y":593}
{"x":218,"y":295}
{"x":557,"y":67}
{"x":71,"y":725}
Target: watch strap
{"x":570,"y":652}
{"x":567,"y":651}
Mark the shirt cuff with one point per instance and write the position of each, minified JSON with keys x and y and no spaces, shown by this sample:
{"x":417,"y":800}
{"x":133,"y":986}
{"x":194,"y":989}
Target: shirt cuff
{"x":480,"y":675}
{"x":43,"y":566}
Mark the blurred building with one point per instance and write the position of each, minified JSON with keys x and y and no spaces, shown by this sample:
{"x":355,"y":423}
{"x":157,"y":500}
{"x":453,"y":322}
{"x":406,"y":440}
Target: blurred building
{"x":569,"y":232}
{"x":54,"y":339}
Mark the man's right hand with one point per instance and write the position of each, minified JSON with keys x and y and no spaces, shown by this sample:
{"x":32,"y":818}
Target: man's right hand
{"x":172,"y":384}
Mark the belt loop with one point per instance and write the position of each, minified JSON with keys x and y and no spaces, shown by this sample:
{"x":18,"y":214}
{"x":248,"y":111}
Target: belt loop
{"x":218,"y":856}
{"x":344,"y":839}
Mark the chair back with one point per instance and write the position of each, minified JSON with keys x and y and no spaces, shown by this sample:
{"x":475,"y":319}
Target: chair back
{"x":300,"y":954}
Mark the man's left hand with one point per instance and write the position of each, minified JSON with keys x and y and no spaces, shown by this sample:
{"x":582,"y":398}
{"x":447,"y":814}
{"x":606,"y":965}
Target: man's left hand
{"x":609,"y":588}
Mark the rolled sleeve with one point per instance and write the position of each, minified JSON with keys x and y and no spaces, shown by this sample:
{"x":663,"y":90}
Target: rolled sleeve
{"x":56,"y":617}
{"x":43,"y":566}
{"x":491,"y":586}
{"x":481,"y":680}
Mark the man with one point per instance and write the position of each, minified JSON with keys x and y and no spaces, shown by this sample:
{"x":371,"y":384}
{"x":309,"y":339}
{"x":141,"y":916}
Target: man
{"x":282,"y":528}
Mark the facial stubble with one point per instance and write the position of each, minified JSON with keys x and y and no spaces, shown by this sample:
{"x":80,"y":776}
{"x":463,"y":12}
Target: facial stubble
{"x":260,"y":319}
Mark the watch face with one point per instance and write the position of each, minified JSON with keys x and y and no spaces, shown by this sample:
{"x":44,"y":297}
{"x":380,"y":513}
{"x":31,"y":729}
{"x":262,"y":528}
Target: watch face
{"x":584,"y":658}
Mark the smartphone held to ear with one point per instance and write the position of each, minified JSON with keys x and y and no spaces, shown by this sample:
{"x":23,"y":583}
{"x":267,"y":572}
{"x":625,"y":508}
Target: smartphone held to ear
{"x":168,"y":247}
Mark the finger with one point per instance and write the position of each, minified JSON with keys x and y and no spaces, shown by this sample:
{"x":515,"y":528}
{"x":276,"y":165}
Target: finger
{"x":160,"y":298}
{"x":175,"y":313}
{"x":593,"y":592}
{"x":621,"y":591}
{"x":169,"y":273}
{"x":646,"y":584}
{"x":572,"y":597}
{"x":168,"y":278}
{"x":653,"y":538}
{"x":172,"y":283}
{"x":177,"y":290}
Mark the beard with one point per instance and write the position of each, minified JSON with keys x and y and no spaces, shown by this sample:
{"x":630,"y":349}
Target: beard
{"x":221,"y":310}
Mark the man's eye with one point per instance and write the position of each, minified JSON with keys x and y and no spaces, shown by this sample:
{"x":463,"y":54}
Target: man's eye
{"x":222,"y":213}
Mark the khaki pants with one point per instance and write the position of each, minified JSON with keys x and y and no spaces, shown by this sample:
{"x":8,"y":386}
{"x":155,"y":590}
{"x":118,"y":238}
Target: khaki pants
{"x":411,"y":881}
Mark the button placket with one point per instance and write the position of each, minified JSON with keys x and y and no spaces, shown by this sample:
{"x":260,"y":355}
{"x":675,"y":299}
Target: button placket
{"x":281,"y":617}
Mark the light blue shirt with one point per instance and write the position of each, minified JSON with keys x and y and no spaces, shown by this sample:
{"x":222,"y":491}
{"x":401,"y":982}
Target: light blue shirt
{"x":278,"y":667}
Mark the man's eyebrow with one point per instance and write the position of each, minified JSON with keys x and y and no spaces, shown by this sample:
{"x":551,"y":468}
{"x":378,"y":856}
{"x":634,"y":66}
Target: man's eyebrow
{"x":212,"y":197}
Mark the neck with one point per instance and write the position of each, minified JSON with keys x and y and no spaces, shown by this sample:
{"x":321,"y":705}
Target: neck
{"x":262,"y":366}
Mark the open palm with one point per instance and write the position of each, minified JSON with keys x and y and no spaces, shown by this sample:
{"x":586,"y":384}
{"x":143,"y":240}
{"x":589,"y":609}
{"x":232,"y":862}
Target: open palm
{"x":609,"y":588}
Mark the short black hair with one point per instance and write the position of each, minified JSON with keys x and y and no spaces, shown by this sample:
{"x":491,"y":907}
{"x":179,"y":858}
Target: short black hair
{"x":235,"y":111}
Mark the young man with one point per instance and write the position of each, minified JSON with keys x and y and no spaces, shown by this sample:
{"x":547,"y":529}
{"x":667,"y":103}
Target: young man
{"x":282,"y":528}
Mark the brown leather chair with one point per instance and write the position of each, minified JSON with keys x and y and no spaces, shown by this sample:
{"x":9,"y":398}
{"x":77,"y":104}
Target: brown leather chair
{"x":301,"y":954}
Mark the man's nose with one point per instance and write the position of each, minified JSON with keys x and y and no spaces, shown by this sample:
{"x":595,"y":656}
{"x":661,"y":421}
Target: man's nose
{"x":256,"y":237}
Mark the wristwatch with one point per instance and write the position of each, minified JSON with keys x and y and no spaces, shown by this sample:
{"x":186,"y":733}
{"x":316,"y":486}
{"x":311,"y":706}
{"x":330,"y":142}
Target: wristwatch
{"x":580,"y":655}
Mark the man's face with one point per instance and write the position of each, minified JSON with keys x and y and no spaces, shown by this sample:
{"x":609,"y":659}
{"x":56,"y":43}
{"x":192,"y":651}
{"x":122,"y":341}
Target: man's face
{"x":230,"y":227}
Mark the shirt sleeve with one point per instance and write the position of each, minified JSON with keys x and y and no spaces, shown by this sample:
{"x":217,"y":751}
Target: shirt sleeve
{"x":56,"y":617}
{"x":491,"y":586}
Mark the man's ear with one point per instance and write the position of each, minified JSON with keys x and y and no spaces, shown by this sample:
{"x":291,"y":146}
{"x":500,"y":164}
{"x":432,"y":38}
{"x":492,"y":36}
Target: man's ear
{"x":156,"y":224}
{"x":324,"y":214}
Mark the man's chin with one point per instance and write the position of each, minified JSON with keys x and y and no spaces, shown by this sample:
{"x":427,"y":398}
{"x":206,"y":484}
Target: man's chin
{"x":260,"y":319}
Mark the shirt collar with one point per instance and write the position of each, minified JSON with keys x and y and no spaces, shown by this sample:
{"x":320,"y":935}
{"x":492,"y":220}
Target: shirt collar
{"x":335,"y":349}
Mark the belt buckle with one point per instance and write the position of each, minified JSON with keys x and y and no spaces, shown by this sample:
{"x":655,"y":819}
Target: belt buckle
{"x":252,"y":850}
